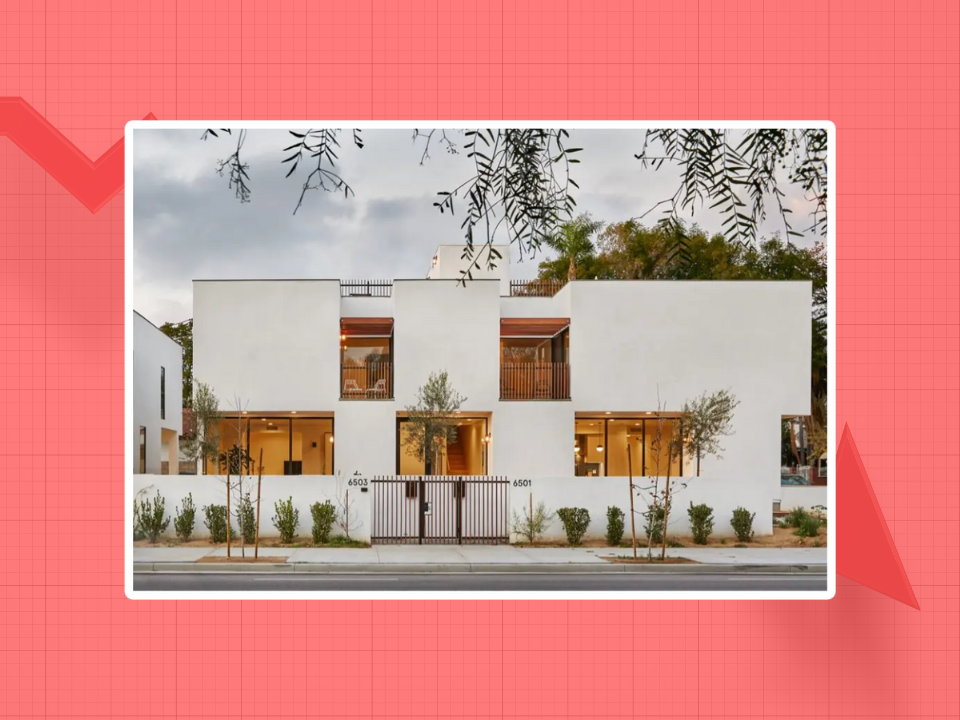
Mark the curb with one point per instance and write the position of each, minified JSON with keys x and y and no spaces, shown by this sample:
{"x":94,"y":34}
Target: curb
{"x":469,"y":568}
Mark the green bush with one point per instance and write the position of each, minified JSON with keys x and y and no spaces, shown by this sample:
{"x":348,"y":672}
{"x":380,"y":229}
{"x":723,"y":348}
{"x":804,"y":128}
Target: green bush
{"x":742,"y":523}
{"x":701,"y":522}
{"x":654,"y":524}
{"x":184,"y":519}
{"x":286,"y":519}
{"x":674,"y":543}
{"x":150,"y":514}
{"x":532,"y":527}
{"x":614,"y":526}
{"x":247,"y":519}
{"x":324,"y":515}
{"x":809,"y":526}
{"x":795,"y":517}
{"x":575,"y":523}
{"x":215,"y":519}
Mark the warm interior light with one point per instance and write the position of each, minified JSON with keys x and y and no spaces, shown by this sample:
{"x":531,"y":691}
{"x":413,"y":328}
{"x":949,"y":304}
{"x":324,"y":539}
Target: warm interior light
{"x":263,"y":419}
{"x":244,"y":412}
{"x":331,"y":438}
{"x":343,"y":337}
{"x":608,"y":412}
{"x":576,"y":448}
{"x":649,"y":413}
{"x":599,"y":448}
{"x":293,"y":412}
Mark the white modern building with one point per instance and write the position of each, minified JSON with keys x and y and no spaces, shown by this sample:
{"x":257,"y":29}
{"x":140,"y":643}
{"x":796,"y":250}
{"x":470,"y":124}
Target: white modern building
{"x":157,"y":399}
{"x":559,"y":381}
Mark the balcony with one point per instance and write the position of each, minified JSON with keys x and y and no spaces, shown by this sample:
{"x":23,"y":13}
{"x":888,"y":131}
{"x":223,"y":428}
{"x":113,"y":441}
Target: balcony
{"x":535,"y":381}
{"x":373,"y":381}
{"x":536,"y":288}
{"x":366,"y":288}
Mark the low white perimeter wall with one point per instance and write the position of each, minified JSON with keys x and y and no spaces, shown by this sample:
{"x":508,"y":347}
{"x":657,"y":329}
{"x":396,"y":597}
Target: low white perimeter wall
{"x":805,"y":496}
{"x":304,"y":489}
{"x":597,"y":494}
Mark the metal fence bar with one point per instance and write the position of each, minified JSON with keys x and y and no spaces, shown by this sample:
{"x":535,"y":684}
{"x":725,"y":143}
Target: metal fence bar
{"x":366,"y":288}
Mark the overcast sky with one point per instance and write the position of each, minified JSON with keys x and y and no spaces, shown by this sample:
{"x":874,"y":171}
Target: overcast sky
{"x":189,"y":225}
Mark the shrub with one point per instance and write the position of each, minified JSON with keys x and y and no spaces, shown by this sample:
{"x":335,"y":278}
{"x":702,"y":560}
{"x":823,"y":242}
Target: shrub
{"x":820,"y":512}
{"x":247,"y":519}
{"x":674,"y":543}
{"x":286,"y":519}
{"x":742,"y":522}
{"x":138,"y":532}
{"x":795,"y":517}
{"x":701,"y":522}
{"x":324,"y":515}
{"x":216,"y":522}
{"x":654,"y":525}
{"x":614,"y":526}
{"x":809,"y":526}
{"x":533,"y":527}
{"x":575,"y":523}
{"x":184,"y":519}
{"x":150,"y":514}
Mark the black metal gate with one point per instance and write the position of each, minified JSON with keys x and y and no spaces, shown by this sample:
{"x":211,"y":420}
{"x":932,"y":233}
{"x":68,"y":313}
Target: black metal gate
{"x":437,"y":510}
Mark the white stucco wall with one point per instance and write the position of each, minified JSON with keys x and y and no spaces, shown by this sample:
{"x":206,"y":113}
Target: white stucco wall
{"x":304,"y":489}
{"x":802,"y":496}
{"x":152,"y":350}
{"x":443,"y":325}
{"x":276,"y":344}
{"x":273,"y":343}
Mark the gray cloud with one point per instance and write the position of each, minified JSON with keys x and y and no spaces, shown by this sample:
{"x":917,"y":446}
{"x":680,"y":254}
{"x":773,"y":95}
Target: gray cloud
{"x":188,"y":223}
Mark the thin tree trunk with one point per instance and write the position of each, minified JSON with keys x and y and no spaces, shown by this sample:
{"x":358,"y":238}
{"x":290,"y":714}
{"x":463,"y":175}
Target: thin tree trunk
{"x":572,"y":271}
{"x":633,"y":522}
{"x":793,"y":443}
{"x":256,"y":545}
{"x":228,"y":511}
{"x":666,"y":507}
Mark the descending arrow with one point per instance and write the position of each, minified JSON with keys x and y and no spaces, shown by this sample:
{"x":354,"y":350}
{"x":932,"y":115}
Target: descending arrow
{"x":93,"y":183}
{"x":866,"y":552}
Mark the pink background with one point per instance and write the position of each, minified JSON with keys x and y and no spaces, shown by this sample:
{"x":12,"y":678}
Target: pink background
{"x":885,"y":72}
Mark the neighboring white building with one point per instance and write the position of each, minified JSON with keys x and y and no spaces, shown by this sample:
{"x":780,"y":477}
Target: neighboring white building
{"x":157,"y":399}
{"x":558,"y":384}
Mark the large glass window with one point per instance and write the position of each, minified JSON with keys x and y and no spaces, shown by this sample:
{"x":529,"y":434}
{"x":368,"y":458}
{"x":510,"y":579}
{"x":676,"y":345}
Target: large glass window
{"x":366,"y":367}
{"x":287,"y":445}
{"x":606,"y":446}
{"x":465,"y":455}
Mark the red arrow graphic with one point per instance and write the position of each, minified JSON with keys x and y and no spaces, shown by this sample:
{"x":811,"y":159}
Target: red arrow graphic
{"x":92,"y":183}
{"x":866,"y":552}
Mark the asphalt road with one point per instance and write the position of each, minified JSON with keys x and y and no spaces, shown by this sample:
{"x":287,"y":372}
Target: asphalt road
{"x":526,"y":582}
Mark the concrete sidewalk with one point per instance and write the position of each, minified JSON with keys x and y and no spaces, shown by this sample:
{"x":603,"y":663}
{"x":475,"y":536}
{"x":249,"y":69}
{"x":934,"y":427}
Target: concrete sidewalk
{"x":479,"y":558}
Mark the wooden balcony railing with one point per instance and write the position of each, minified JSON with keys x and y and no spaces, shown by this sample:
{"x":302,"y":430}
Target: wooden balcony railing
{"x":365,"y":288}
{"x":535,"y":381}
{"x":535,"y":288}
{"x":373,"y":381}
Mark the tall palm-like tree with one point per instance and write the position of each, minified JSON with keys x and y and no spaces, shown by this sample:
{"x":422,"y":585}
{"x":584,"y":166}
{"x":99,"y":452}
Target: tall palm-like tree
{"x":573,"y":241}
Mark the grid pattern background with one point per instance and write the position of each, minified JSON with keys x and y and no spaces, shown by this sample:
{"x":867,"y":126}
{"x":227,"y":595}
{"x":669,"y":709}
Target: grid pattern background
{"x":886,"y":72}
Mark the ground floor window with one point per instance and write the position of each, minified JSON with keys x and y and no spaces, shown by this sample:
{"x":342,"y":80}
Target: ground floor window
{"x":611,"y":446}
{"x":288,"y":445}
{"x":466,"y":454}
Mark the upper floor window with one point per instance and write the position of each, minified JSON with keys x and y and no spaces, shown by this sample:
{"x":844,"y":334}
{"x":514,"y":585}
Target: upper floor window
{"x":163,"y":393}
{"x":366,"y":358}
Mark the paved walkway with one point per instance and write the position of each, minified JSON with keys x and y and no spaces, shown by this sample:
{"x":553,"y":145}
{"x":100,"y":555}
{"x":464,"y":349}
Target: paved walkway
{"x":467,"y":555}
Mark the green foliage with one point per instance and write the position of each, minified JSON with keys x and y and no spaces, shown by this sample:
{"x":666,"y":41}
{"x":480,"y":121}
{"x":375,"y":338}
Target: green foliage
{"x":742,"y":523}
{"x":674,"y":543}
{"x":236,"y":461}
{"x":532,"y":527}
{"x":701,"y":522}
{"x":149,"y":514}
{"x":432,"y":422}
{"x":572,"y":242}
{"x":653,"y":527}
{"x":344,"y":541}
{"x":247,"y":519}
{"x":820,"y":512}
{"x":808,"y":526}
{"x":182,"y":334}
{"x":575,"y":523}
{"x":215,"y":520}
{"x":324,"y":514}
{"x":614,"y":526}
{"x":706,"y":419}
{"x":201,"y":441}
{"x":286,"y":519}
{"x":795,"y":517}
{"x":184,"y":519}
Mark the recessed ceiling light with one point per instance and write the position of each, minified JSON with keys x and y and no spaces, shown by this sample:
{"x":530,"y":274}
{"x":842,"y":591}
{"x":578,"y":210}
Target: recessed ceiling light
{"x":608,"y":412}
{"x":263,"y":419}
{"x":649,"y":413}
{"x":293,"y":412}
